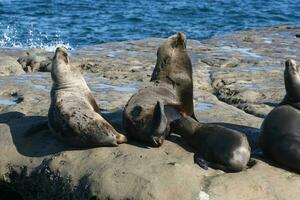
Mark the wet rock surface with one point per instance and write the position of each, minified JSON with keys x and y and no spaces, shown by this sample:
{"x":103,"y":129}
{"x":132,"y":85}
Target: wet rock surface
{"x":238,"y":79}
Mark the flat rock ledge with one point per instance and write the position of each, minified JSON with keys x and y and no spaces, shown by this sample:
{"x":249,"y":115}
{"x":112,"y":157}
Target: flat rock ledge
{"x":238,"y":79}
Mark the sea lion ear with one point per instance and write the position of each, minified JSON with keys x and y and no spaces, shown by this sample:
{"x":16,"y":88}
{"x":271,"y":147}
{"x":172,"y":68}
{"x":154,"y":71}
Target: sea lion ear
{"x":27,"y":53}
{"x":180,"y":40}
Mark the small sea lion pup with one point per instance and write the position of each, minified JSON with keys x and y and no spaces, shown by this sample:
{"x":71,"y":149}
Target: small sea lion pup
{"x":280,"y":131}
{"x":145,"y":115}
{"x":33,"y":63}
{"x":216,"y":146}
{"x":73,"y":114}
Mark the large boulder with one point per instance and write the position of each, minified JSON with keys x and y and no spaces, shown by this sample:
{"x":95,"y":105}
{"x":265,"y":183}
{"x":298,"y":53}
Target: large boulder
{"x":238,"y":79}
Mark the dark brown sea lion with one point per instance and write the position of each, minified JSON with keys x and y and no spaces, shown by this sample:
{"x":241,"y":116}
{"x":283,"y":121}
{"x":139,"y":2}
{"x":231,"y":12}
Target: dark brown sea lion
{"x":73,"y":114}
{"x":215,"y":146}
{"x":34,"y":63}
{"x":280,"y":131}
{"x":173,"y":65}
{"x":145,"y":116}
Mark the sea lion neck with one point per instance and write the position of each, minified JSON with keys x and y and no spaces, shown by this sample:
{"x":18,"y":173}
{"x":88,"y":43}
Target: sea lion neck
{"x":185,"y":125}
{"x":65,"y":78}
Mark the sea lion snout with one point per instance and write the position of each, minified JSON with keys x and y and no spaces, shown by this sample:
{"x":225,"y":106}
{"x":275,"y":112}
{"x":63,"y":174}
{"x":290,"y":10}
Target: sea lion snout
{"x":158,"y":141}
{"x":61,"y":54}
{"x":178,"y":40}
{"x":291,"y":66}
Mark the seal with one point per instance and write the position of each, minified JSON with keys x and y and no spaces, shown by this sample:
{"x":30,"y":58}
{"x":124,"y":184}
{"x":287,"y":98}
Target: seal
{"x":215,"y":146}
{"x":74,"y":114}
{"x":173,"y":65}
{"x":280,"y":131}
{"x":145,"y":114}
{"x":33,"y":63}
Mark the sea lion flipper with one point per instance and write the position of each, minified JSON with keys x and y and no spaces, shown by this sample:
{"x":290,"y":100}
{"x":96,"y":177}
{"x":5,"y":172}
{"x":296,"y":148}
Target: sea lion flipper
{"x":194,"y":117}
{"x":171,"y":113}
{"x":121,"y":138}
{"x":251,"y":163}
{"x":201,"y":161}
{"x":159,"y":117}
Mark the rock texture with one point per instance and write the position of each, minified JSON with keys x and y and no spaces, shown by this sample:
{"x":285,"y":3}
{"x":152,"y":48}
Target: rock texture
{"x":238,"y":79}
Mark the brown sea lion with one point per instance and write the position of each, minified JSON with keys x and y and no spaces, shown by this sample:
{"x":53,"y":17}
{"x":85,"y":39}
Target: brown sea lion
{"x":73,"y":114}
{"x":280,"y":131}
{"x":34,"y":63}
{"x":144,"y":114}
{"x":215,"y":146}
{"x":173,"y":65}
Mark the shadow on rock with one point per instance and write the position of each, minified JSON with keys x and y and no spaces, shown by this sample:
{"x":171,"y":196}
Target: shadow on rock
{"x":30,"y":135}
{"x":42,"y":183}
{"x":9,"y":193}
{"x":273,"y":163}
{"x":115,"y":118}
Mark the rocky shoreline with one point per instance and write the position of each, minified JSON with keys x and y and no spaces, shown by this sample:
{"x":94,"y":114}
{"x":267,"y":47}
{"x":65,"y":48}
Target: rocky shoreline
{"x":238,"y":79}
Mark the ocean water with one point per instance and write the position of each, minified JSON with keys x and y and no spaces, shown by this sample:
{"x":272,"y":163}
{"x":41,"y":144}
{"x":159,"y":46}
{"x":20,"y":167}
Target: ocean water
{"x":77,"y":23}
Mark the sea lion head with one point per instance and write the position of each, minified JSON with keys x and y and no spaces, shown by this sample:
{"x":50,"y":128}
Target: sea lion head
{"x":151,"y":128}
{"x":60,"y":65}
{"x":177,"y":41}
{"x":172,"y":52}
{"x":292,"y":80}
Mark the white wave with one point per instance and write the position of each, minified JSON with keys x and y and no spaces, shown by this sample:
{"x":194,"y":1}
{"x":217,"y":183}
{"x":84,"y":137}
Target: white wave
{"x":9,"y":39}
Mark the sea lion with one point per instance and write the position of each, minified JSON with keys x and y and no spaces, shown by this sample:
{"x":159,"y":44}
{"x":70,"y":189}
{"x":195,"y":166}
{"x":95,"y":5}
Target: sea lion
{"x":144,"y":115}
{"x":280,"y":131}
{"x":173,"y":65}
{"x":33,"y":63}
{"x":216,"y":146}
{"x":74,"y":114}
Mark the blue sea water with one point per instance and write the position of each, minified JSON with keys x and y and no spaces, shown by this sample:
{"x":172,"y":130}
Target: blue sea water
{"x":77,"y":23}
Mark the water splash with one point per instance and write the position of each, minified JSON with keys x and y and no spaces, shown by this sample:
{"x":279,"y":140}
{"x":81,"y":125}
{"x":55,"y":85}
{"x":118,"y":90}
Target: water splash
{"x":10,"y":38}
